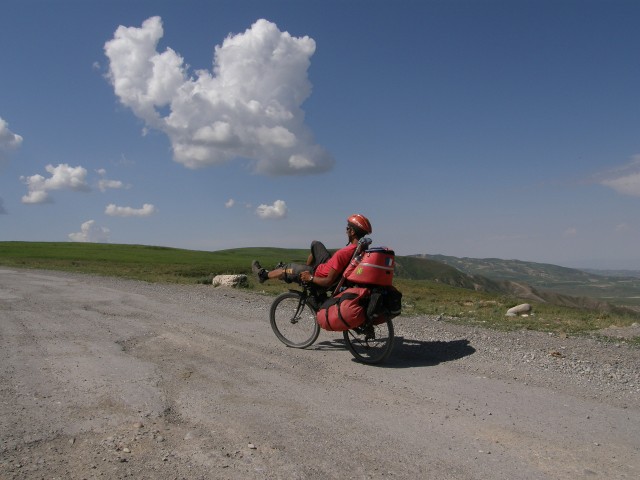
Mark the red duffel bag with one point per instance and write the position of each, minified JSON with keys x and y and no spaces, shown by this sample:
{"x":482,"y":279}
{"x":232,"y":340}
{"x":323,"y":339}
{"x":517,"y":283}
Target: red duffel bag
{"x":345,"y":311}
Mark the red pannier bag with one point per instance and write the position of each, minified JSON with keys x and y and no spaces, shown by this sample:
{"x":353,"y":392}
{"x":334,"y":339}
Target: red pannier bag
{"x":345,"y":311}
{"x":374,"y":267}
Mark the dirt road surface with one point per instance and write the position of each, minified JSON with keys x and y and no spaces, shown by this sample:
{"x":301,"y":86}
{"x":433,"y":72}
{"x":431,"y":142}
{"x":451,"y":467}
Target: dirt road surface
{"x":107,"y":378}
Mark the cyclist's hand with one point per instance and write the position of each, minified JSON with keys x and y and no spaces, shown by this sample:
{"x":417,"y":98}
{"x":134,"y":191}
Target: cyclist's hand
{"x":305,"y":277}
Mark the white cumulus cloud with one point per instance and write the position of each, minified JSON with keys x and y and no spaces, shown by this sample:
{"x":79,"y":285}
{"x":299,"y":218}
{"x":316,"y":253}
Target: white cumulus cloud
{"x":229,"y":203}
{"x":272,"y":212}
{"x":625,"y":179}
{"x":63,"y":177}
{"x":105,"y":183}
{"x":8,"y":140}
{"x":115,"y":211}
{"x":247,"y":106}
{"x":90,"y":232}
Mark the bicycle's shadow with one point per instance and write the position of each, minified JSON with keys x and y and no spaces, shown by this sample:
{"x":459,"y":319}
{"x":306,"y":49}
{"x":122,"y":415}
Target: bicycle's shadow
{"x":414,"y":353}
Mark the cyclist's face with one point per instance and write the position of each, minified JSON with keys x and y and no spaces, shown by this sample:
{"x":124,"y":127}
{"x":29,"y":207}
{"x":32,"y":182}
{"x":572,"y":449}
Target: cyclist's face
{"x":350,"y":232}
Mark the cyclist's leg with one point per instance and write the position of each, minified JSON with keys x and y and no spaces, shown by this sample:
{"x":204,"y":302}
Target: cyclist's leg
{"x":293,"y":270}
{"x":289,"y":273}
{"x":319,"y":254}
{"x":275,"y":274}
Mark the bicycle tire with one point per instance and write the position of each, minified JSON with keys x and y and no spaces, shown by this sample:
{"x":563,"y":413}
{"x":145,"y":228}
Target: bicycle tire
{"x":297,"y":329}
{"x":371,"y":344}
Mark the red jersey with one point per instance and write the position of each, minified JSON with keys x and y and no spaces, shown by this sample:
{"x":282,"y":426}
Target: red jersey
{"x":337,"y":262}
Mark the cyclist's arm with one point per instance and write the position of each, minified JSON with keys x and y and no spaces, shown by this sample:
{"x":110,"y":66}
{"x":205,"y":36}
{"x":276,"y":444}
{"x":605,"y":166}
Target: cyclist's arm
{"x":325,"y":282}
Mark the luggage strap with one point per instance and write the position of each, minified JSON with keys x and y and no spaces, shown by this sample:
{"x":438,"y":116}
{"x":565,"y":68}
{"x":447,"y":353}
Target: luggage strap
{"x":337,"y":301}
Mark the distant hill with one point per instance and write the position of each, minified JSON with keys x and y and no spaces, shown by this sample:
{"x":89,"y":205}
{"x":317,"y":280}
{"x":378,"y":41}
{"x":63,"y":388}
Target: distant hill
{"x":614,"y":273}
{"x":546,"y":278}
{"x":433,"y":268}
{"x":423,"y":268}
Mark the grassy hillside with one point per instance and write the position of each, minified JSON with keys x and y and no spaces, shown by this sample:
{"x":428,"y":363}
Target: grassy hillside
{"x":140,"y":262}
{"x":428,"y":286}
{"x":545,"y":277}
{"x":420,"y":268}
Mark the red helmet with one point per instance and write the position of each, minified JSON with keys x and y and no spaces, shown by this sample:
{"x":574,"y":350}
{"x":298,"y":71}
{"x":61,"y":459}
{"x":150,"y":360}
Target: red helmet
{"x":361,"y":222}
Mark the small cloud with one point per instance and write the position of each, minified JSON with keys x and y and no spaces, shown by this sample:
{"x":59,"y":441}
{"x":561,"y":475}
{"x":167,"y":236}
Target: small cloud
{"x":229,"y":203}
{"x":8,"y":141}
{"x":115,"y":211}
{"x":104,"y":183}
{"x":248,"y":106}
{"x":90,"y":232}
{"x":272,"y":212}
{"x":570,"y":232}
{"x":63,"y":177}
{"x":625,"y":179}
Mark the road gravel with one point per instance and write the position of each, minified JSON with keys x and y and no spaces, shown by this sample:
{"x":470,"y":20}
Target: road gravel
{"x":111,"y":378}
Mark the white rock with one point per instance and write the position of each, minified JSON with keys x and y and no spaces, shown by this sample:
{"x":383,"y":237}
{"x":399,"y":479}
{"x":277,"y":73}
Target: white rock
{"x":229,"y":281}
{"x":521,"y":309}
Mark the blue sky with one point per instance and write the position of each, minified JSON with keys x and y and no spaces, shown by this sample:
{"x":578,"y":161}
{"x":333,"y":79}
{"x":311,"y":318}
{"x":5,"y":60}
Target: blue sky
{"x":506,"y":129}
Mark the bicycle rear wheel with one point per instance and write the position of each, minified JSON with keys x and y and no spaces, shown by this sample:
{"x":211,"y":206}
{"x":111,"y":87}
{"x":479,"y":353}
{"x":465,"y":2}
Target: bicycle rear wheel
{"x":370,"y":344}
{"x":293,"y":321}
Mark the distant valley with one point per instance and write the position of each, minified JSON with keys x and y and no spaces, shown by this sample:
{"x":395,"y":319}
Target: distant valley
{"x":620,"y":288}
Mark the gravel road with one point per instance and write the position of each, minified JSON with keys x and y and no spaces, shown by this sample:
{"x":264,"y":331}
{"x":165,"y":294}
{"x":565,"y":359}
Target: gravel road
{"x":109,"y":378}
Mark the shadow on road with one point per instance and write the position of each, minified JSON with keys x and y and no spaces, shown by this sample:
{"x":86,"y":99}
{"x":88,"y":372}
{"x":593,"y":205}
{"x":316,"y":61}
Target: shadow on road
{"x":413,"y":353}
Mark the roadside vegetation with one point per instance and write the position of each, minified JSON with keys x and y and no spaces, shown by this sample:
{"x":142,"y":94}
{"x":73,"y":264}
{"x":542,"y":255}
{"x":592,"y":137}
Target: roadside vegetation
{"x":453,"y":303}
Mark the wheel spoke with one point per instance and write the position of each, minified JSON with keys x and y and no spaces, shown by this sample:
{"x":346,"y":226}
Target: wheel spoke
{"x":294,"y":324}
{"x":372,"y":343}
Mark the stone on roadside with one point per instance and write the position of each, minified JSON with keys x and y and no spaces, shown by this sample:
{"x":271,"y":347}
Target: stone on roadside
{"x":230,"y":281}
{"x":522,"y":309}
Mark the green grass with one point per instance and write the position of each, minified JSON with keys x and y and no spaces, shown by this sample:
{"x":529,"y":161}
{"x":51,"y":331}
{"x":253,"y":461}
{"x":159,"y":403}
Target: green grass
{"x":140,"y":262}
{"x":420,"y":297}
{"x":471,"y":307}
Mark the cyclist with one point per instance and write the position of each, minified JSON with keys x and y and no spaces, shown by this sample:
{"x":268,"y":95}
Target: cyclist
{"x":322,"y":268}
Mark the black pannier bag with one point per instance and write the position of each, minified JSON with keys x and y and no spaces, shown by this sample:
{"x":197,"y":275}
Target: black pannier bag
{"x":385,"y":303}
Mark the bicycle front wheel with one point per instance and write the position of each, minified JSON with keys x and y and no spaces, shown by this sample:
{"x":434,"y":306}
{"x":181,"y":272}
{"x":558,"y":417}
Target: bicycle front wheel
{"x":370,"y":344}
{"x":293,"y":320}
